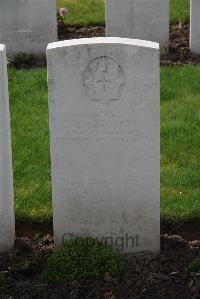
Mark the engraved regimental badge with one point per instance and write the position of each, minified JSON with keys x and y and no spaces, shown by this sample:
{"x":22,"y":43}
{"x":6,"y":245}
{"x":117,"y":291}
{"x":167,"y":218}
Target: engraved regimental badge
{"x":103,"y":79}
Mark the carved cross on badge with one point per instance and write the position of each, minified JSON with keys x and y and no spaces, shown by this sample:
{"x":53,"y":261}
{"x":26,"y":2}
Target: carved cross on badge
{"x":103,"y":79}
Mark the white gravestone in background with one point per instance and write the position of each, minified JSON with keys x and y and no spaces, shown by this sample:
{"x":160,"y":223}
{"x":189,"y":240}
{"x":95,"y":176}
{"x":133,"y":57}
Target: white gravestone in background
{"x":140,"y":19}
{"x":104,"y":127}
{"x":7,"y":220}
{"x":27,"y":26}
{"x":195,"y":26}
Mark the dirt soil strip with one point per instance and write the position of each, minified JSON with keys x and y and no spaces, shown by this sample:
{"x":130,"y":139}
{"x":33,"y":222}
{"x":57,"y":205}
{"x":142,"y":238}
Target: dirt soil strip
{"x":148,"y":275}
{"x":179,"y":53}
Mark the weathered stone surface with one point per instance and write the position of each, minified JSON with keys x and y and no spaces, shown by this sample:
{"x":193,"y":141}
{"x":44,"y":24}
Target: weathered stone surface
{"x":194,"y":26}
{"x":139,"y":19}
{"x":7,"y":220}
{"x":104,"y":126}
{"x":27,"y":25}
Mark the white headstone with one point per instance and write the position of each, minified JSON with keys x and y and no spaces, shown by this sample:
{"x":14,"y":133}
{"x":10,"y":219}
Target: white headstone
{"x":194,"y":26}
{"x":140,"y":19}
{"x":27,"y":26}
{"x":104,"y":125}
{"x":7,"y":220}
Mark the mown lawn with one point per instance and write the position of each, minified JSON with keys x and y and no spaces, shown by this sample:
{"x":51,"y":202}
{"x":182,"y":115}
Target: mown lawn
{"x":30,"y":139}
{"x":179,"y":10}
{"x":180,"y":143}
{"x":92,"y":12}
{"x":83,"y":12}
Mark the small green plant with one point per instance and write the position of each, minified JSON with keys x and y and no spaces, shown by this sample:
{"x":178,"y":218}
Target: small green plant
{"x":82,"y":260}
{"x":193,"y":271}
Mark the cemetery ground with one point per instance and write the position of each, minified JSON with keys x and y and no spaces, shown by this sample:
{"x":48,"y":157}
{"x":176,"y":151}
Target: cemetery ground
{"x":147,"y":275}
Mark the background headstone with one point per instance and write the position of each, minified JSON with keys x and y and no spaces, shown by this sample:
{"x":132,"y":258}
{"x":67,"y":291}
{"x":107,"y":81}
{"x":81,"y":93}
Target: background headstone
{"x":27,"y":26}
{"x":139,"y":19}
{"x":195,"y":26}
{"x":7,"y":219}
{"x":104,"y":126}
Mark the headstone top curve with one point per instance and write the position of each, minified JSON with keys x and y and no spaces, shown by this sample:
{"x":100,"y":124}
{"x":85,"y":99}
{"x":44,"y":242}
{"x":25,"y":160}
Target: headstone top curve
{"x":103,"y":40}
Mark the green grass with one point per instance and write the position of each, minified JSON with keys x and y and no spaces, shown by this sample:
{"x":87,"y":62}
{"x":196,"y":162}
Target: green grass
{"x":180,"y":143}
{"x":30,"y":138}
{"x":92,"y":12}
{"x":179,"y":10}
{"x":83,"y":12}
